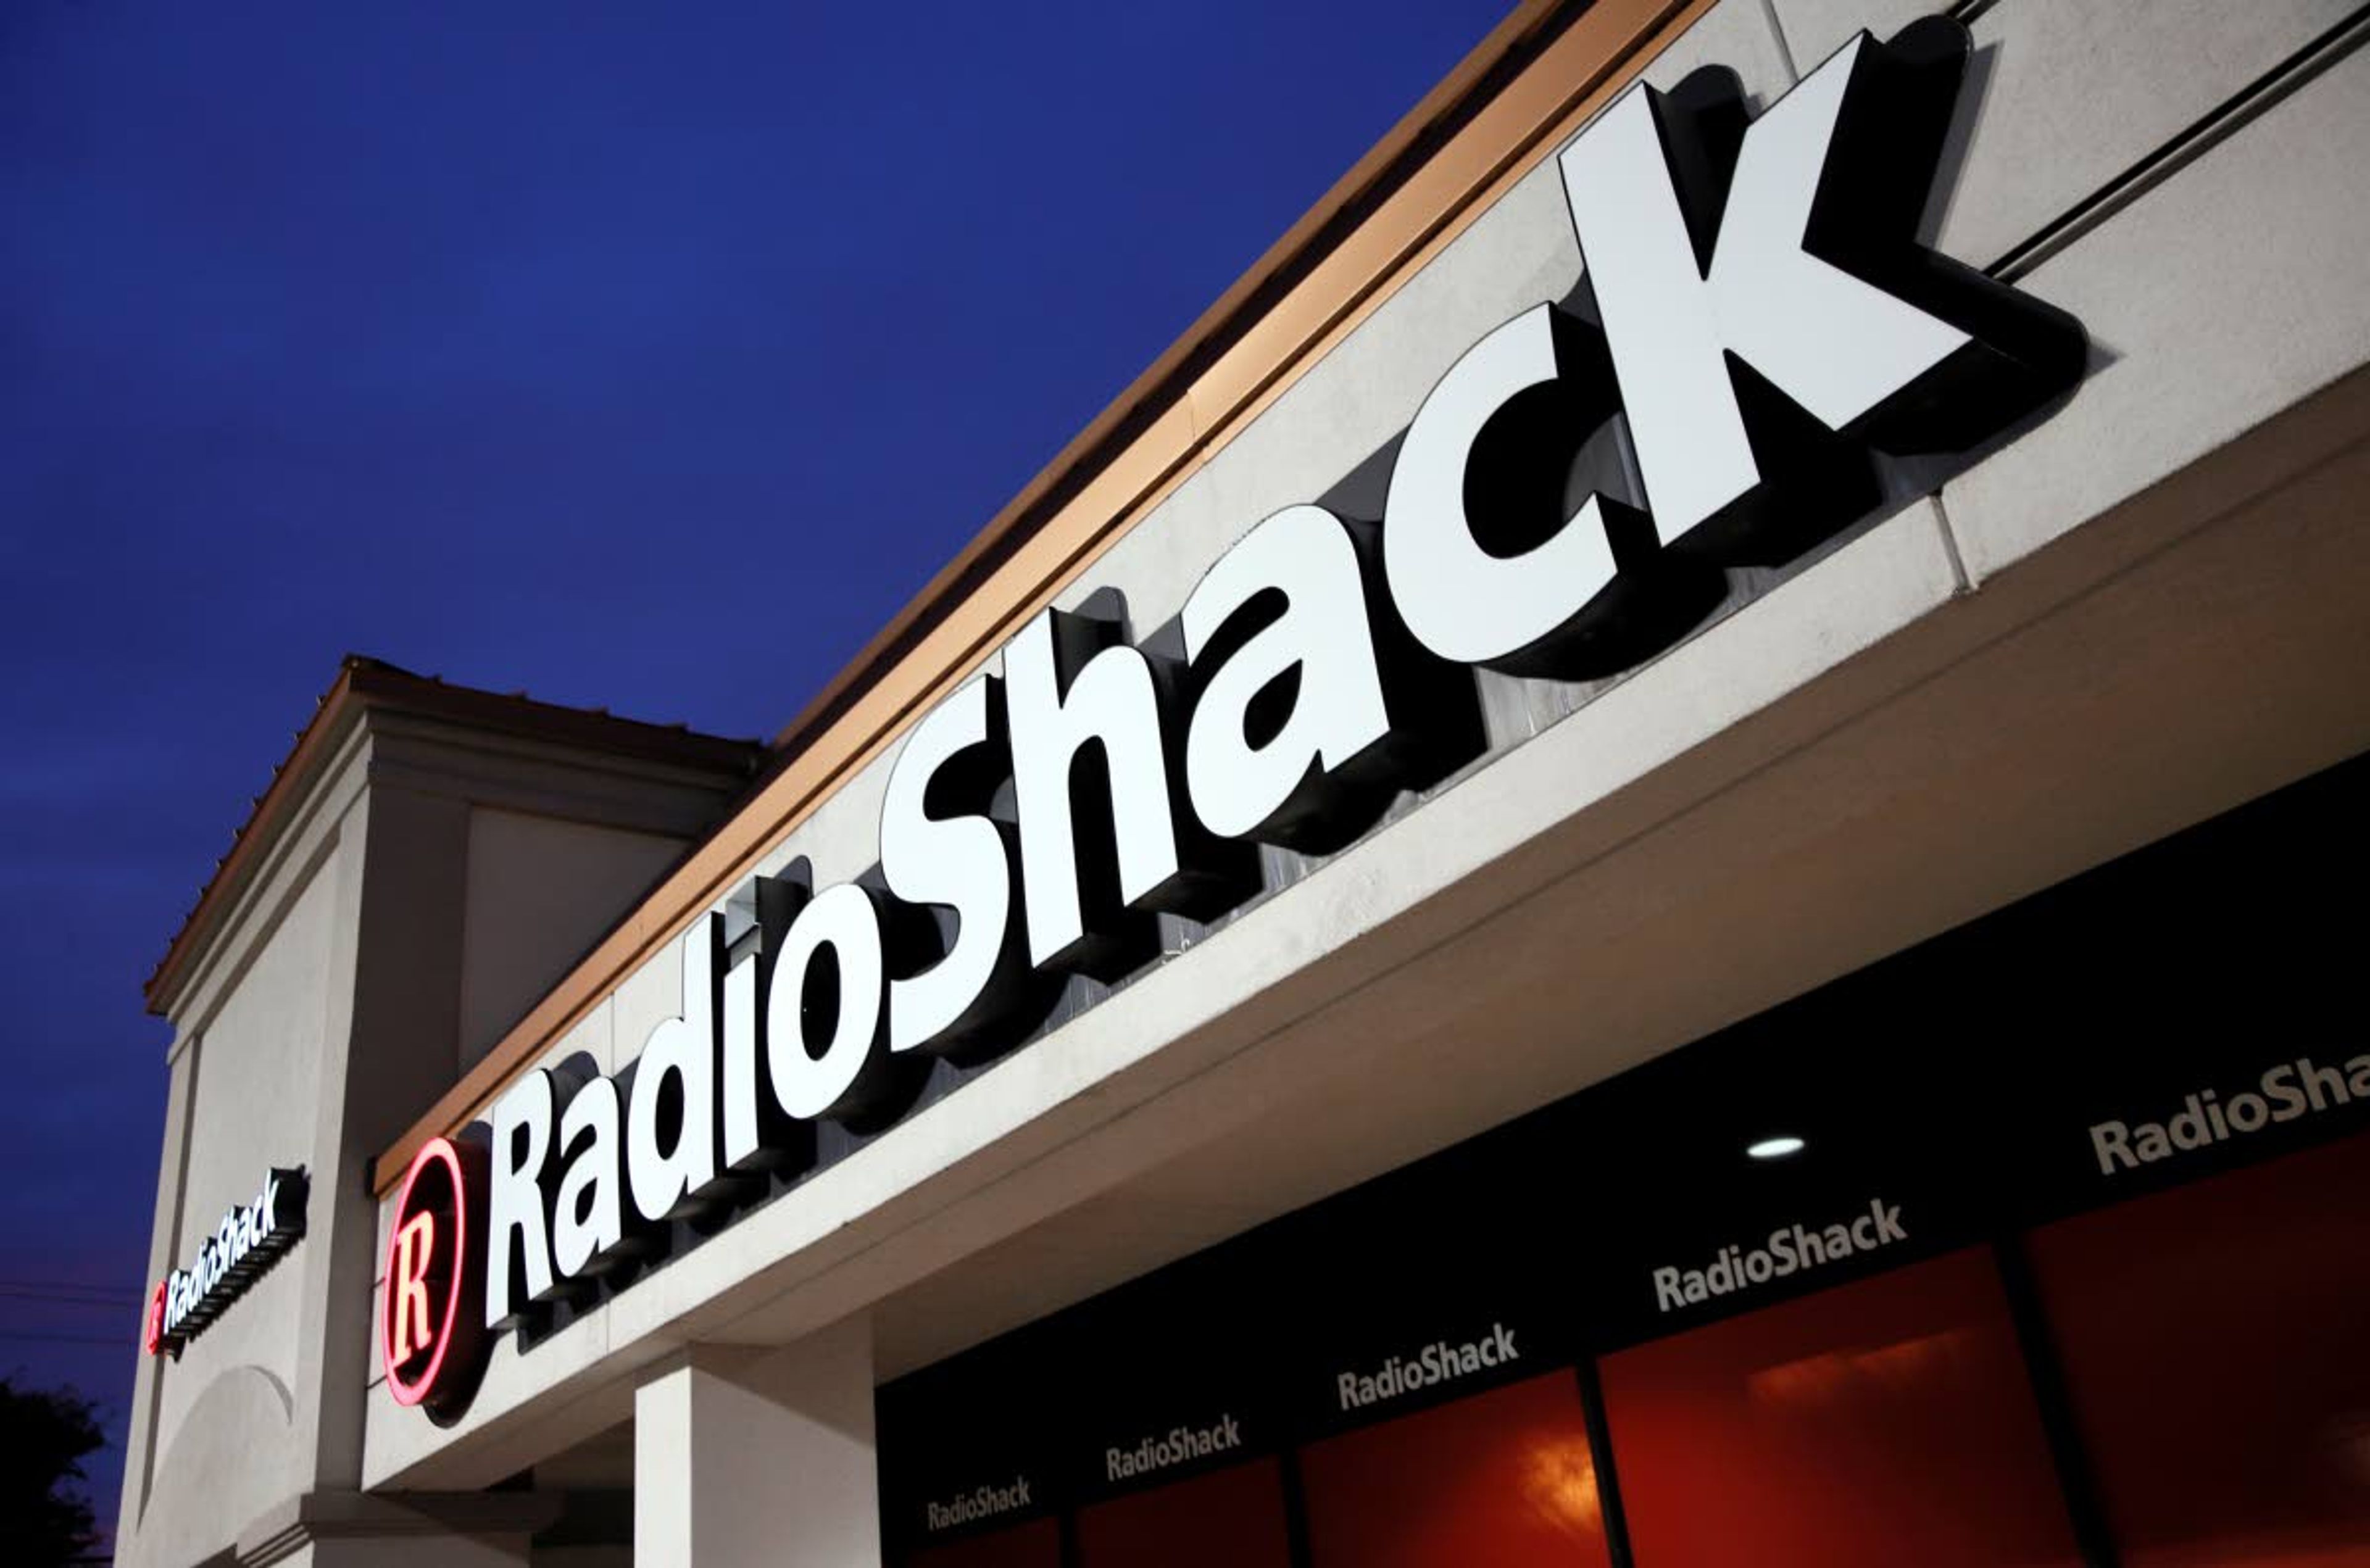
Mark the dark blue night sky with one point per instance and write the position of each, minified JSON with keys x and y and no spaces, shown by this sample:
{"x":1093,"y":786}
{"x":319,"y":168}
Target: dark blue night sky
{"x":642,"y":355}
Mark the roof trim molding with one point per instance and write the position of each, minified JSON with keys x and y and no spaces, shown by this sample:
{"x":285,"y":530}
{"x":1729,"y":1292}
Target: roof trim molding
{"x":1526,"y":88}
{"x":365,"y":685}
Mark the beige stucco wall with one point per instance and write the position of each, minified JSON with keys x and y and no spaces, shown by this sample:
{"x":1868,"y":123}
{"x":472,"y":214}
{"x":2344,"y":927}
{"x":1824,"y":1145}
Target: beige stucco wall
{"x":540,"y":891}
{"x":2219,"y":266}
{"x":224,"y":1431}
{"x":328,"y":1010}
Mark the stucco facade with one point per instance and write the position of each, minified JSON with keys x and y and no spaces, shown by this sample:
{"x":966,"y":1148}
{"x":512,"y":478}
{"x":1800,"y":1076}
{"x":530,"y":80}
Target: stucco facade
{"x":2141,"y":607}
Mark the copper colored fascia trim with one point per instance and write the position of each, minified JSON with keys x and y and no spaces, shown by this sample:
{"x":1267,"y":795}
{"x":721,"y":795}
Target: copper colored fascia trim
{"x":1003,"y":581}
{"x":1169,"y":378}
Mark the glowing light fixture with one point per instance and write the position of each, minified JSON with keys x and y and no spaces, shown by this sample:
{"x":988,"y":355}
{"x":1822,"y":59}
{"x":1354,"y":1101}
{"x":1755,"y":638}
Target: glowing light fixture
{"x":1774,"y":1147}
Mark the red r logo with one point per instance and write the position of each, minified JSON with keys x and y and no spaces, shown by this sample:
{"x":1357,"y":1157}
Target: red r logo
{"x":432,"y":1306}
{"x":152,"y":1335}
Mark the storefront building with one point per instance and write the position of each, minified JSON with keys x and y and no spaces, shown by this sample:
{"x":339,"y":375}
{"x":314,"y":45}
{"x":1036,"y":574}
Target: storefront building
{"x":1651,"y":864}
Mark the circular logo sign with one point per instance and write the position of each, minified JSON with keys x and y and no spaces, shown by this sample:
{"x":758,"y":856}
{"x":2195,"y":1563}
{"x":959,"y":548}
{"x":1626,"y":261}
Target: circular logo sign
{"x":431,"y":1305}
{"x":152,"y":1333}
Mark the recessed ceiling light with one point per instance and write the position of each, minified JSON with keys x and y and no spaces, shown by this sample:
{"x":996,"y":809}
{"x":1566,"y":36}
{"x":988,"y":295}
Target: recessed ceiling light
{"x":1774,"y":1147}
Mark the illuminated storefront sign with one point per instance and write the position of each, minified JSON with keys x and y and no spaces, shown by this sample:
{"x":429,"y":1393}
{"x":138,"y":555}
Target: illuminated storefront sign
{"x":980,"y":1502}
{"x":1788,"y":1250}
{"x":1436,"y":1363}
{"x":1767,"y":327}
{"x":2292,"y":1089}
{"x":234,"y":1256}
{"x":434,"y":1341}
{"x":1606,"y":1332}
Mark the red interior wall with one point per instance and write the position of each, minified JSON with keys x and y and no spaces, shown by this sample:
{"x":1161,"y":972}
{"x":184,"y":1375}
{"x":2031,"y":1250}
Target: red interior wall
{"x":1504,"y":1478}
{"x":1879,"y":1423}
{"x":2217,"y":1346}
{"x":1037,"y":1544}
{"x":1233,"y":1517}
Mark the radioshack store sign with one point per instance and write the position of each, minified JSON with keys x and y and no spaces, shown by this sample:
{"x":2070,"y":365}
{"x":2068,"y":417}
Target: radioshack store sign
{"x":432,"y":1340}
{"x":1787,"y":1296}
{"x":245,"y":1244}
{"x":1322,"y":665}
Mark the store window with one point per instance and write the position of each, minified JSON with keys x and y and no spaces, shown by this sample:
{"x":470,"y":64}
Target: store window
{"x":1878,"y":1424}
{"x":2144,"y":1092}
{"x":1037,"y":1544}
{"x":1504,"y":1478}
{"x":2217,"y":1345}
{"x":1233,"y":1517}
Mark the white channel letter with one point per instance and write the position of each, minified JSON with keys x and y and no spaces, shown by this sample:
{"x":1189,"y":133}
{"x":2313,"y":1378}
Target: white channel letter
{"x":1111,"y":701}
{"x":667,"y":1183}
{"x":1305,"y":554}
{"x":587,"y":1214}
{"x":1458,"y":600}
{"x":1834,"y":344}
{"x":737,"y":1090}
{"x":514,"y":1197}
{"x":808,"y":1083}
{"x":956,"y":861}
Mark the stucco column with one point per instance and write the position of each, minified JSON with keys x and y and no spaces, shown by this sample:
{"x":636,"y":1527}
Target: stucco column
{"x":355,"y":1529}
{"x":746,"y":1457}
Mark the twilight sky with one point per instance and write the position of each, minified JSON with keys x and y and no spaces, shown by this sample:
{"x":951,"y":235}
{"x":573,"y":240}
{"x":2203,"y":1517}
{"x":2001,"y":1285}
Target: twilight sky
{"x":634,"y":354}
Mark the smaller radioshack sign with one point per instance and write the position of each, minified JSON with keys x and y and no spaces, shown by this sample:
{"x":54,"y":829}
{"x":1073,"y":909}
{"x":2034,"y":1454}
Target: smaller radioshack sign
{"x":234,"y":1254}
{"x":431,"y":1299}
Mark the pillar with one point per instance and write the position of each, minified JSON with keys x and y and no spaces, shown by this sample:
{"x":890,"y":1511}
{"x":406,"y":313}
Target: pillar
{"x":748,"y":1457}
